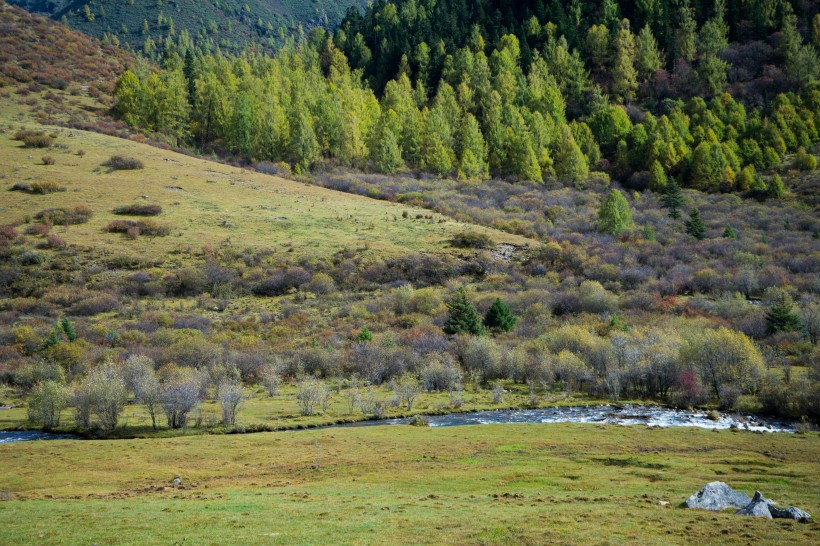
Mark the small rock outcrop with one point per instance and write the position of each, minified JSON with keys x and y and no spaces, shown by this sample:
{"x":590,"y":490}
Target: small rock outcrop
{"x":758,"y":507}
{"x":717,"y":496}
{"x":790,"y":513}
{"x":763,"y":507}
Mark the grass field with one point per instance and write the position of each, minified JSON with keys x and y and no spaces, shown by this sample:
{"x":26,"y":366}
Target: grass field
{"x":516,"y":484}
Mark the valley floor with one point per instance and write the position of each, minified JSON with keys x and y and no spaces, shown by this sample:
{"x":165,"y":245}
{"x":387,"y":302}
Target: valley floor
{"x":511,"y":484}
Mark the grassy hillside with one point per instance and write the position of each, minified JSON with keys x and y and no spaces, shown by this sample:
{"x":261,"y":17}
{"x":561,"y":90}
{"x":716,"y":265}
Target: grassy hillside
{"x":524,"y":484}
{"x":229,"y":24}
{"x":203,"y":203}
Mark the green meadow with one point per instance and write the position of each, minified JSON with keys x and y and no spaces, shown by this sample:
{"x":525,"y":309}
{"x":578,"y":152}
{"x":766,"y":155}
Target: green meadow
{"x":511,"y":484}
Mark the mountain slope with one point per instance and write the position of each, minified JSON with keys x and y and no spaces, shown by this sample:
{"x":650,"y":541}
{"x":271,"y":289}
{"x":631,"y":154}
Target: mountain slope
{"x":229,"y":24}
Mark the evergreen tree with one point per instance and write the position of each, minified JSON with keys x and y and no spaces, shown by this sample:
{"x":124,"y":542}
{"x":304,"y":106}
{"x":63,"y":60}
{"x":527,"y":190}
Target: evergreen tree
{"x":781,"y":317}
{"x":462,"y":316}
{"x":672,"y":198}
{"x":614,"y":214}
{"x":657,"y":177}
{"x":729,"y":233}
{"x":570,"y":162}
{"x":384,"y":147}
{"x":648,"y":57}
{"x":686,"y":34}
{"x":473,"y":150}
{"x":624,"y":76}
{"x":68,"y":329}
{"x":499,"y":317}
{"x":695,"y":226}
{"x":365,"y":336}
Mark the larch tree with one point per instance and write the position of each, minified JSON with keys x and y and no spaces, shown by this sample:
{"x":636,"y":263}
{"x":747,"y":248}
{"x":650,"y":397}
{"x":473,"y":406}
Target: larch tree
{"x":614,"y":214}
{"x":624,"y":75}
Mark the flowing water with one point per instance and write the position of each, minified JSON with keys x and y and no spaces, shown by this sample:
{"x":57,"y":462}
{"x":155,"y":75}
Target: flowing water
{"x":27,"y":435}
{"x":653,"y":416}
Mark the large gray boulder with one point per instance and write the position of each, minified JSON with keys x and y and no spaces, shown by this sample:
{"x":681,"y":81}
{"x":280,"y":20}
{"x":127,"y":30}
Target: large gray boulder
{"x":758,"y":507}
{"x":717,"y":496}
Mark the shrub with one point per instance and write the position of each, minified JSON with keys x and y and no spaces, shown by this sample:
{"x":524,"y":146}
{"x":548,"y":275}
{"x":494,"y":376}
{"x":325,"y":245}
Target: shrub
{"x":46,"y":402}
{"x":38,"y":188}
{"x":94,"y":305}
{"x":64,"y":217}
{"x":141,"y":227}
{"x":49,"y":160}
{"x":34,"y":139}
{"x":471,"y":239}
{"x":138,"y":210}
{"x":805,"y":161}
{"x":123,"y":163}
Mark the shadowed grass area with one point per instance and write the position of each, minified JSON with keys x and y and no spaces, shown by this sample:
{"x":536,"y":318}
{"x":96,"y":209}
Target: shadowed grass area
{"x":511,"y":484}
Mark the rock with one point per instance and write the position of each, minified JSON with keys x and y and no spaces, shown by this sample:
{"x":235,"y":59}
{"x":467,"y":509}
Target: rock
{"x":177,"y":480}
{"x":663,"y":503}
{"x":717,"y":496}
{"x":763,"y":507}
{"x":758,"y":507}
{"x":790,"y":513}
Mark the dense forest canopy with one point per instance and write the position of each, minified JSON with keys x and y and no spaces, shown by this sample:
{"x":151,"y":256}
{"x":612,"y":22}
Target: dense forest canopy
{"x":665,"y":95}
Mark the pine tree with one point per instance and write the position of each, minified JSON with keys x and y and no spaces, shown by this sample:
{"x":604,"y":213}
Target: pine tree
{"x":499,"y":317}
{"x":729,"y":233}
{"x":68,"y":329}
{"x":614,"y":215}
{"x":781,"y":317}
{"x":672,"y":198}
{"x":365,"y":336}
{"x":695,"y":226}
{"x":462,"y":316}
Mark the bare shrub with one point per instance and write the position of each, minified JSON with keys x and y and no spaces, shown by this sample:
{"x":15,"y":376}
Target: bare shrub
{"x":271,"y":376}
{"x":179,"y":395}
{"x":440,"y":373}
{"x":141,"y":379}
{"x":498,"y":392}
{"x":230,"y":397}
{"x":407,"y":388}
{"x":309,"y":394}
